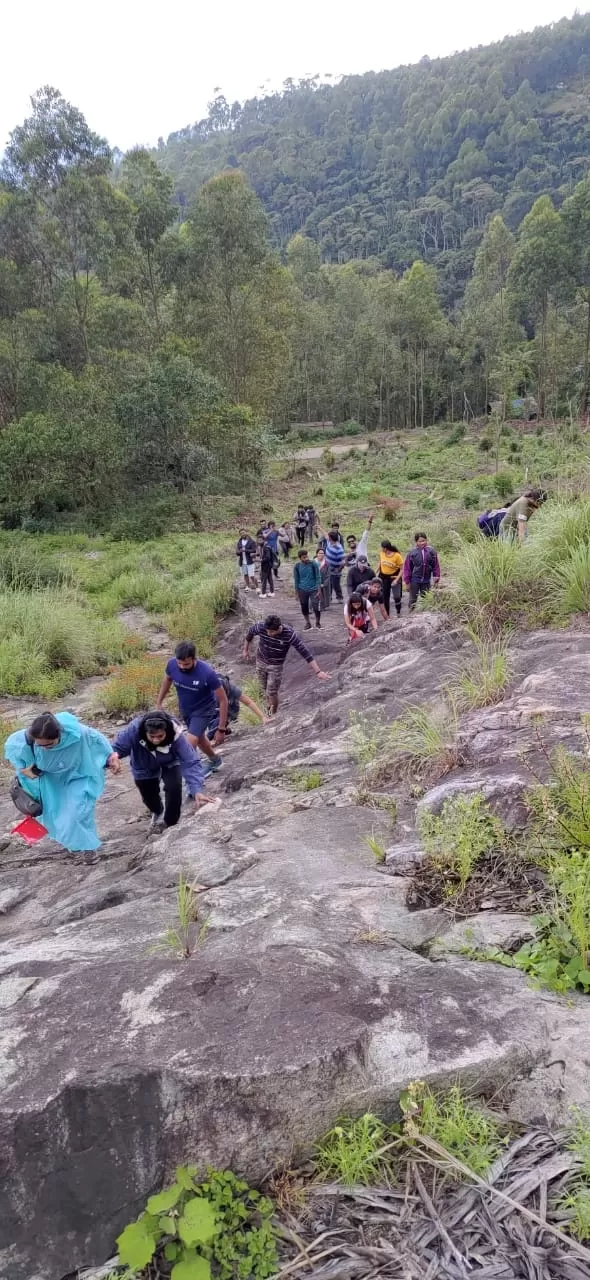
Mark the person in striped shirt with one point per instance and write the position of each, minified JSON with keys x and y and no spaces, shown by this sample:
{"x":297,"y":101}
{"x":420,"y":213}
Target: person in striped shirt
{"x":275,"y":638}
{"x":334,"y":553}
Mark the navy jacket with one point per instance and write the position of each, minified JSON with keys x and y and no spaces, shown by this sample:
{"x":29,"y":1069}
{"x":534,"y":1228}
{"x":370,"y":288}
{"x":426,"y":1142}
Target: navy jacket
{"x":146,"y":763}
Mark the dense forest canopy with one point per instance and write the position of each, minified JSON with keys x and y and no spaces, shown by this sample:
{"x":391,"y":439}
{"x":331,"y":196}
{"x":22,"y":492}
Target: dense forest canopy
{"x":412,"y":162}
{"x":430,"y":257}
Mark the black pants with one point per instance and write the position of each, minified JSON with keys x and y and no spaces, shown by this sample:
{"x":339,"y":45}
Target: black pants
{"x":149,"y":789}
{"x":285,"y":549}
{"x":336,"y":585}
{"x":266,"y":582}
{"x":417,"y":589}
{"x":307,"y":598}
{"x":301,"y":536}
{"x":389,"y":590}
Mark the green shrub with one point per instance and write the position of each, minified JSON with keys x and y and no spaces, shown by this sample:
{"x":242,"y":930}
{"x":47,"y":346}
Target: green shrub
{"x":354,"y":1152}
{"x":305,"y":779}
{"x":459,"y":1126}
{"x":458,"y":837}
{"x":456,"y":434}
{"x":221,"y":1222}
{"x":485,"y":444}
{"x":50,"y":637}
{"x":482,"y":679}
{"x":134,"y":687}
{"x":504,"y":485}
{"x":328,"y":459}
{"x":471,"y":499}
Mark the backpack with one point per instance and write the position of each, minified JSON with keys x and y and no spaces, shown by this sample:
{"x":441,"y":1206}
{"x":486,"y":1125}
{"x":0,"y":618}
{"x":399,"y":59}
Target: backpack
{"x":489,"y":523}
{"x":233,"y":701}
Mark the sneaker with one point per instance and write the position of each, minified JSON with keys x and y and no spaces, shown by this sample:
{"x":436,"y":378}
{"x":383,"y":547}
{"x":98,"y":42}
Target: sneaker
{"x":211,"y":766}
{"x":318,"y":623}
{"x":156,"y":824}
{"x":307,"y":626}
{"x":272,"y":595}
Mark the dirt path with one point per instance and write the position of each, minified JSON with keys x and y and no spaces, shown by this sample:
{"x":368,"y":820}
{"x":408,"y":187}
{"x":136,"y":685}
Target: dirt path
{"x":336,"y":446}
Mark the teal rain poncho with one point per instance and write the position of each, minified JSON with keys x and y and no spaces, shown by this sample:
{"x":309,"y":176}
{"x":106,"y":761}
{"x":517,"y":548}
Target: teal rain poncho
{"x":73,"y":777}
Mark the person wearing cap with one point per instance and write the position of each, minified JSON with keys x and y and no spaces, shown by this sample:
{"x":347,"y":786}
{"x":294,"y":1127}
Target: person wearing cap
{"x":160,"y":752}
{"x":360,"y":571}
{"x":516,"y":521}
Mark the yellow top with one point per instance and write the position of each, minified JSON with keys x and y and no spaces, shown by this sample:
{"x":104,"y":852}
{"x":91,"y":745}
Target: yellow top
{"x":390,"y":562}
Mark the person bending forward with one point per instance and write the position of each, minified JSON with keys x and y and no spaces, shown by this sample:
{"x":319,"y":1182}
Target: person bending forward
{"x":160,"y":752}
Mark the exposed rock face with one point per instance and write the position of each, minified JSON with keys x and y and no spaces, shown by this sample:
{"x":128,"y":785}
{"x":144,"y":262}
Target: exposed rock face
{"x":307,"y":997}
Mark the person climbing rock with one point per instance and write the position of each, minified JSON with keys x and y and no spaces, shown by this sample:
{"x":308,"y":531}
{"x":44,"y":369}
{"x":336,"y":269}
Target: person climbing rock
{"x":390,"y":570}
{"x":199,"y":690}
{"x":246,"y":553}
{"x":420,"y":568}
{"x":516,"y":520}
{"x":61,"y":763}
{"x":307,"y":583}
{"x":360,"y":571}
{"x":275,"y":638}
{"x":160,"y":752}
{"x":373,"y":592}
{"x":236,"y":698}
{"x":359,"y":617}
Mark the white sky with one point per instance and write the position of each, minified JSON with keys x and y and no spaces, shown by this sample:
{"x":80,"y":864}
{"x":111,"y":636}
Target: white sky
{"x":139,"y":69}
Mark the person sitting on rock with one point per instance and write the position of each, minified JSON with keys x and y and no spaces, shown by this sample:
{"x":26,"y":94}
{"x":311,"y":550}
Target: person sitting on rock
{"x":360,"y":571}
{"x":359,"y":617}
{"x":275,"y":638}
{"x":160,"y":752}
{"x":420,"y":568}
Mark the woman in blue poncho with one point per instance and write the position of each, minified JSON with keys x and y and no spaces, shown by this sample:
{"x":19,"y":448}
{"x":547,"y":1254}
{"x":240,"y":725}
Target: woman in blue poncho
{"x":62,"y":763}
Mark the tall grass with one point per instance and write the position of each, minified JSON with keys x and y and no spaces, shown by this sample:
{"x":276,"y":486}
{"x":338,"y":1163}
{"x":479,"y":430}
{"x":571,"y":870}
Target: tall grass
{"x":48,"y":638}
{"x":133,"y":687}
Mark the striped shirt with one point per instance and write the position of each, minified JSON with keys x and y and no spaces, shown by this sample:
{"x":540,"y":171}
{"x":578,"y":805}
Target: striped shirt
{"x":274,"y":649}
{"x":334,"y":554}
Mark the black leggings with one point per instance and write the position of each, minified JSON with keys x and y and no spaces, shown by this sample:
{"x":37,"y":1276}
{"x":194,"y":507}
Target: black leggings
{"x":307,"y":598}
{"x":388,"y":590}
{"x":149,"y":789}
{"x":417,"y":589}
{"x":266,"y":582}
{"x":301,"y":536}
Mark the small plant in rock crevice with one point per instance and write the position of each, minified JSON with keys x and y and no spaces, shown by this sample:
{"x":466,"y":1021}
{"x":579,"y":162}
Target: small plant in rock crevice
{"x":355,"y":1152}
{"x":481,"y":680}
{"x":183,"y":937}
{"x":218,"y":1227}
{"x":376,"y":846}
{"x":456,"y":1123}
{"x":457,"y":838}
{"x":305,"y":779}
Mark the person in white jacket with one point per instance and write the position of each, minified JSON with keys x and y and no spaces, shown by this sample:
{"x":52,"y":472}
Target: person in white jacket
{"x":355,"y":548}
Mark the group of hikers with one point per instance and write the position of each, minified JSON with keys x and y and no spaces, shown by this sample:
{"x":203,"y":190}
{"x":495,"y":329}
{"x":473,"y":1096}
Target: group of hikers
{"x":318,"y":576}
{"x":60,"y":764}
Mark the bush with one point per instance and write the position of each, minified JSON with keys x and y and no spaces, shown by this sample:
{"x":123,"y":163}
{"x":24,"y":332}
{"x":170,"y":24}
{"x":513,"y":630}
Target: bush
{"x":134,"y":687}
{"x":471,"y":499}
{"x":482,"y":679}
{"x":504,"y":485}
{"x":328,"y":459}
{"x":23,"y":567}
{"x":456,"y":434}
{"x":458,"y":837}
{"x":485,"y":444}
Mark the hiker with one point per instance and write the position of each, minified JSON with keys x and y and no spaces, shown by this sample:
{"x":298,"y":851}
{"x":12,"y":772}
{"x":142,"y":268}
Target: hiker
{"x":275,"y":640}
{"x":357,"y":549}
{"x":61,"y":763}
{"x":287,"y":539}
{"x":358,"y":616}
{"x":311,"y":523}
{"x":300,"y":522}
{"x":267,"y":563}
{"x":420,"y":566}
{"x":360,"y":571}
{"x":307,"y":583}
{"x":390,"y":570}
{"x":199,"y":690}
{"x":489,"y":522}
{"x":325,"y":589}
{"x":334,"y":553}
{"x":160,"y":751}
{"x":246,"y":553}
{"x":334,"y":529}
{"x":271,"y":538}
{"x":235,"y":699}
{"x":515,"y":522}
{"x":373,"y":592}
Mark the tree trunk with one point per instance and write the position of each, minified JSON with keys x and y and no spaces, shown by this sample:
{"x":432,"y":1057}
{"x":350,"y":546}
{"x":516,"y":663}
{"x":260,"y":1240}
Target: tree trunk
{"x":585,"y":401}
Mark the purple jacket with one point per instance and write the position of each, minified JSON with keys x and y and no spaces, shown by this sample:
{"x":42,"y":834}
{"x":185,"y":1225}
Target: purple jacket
{"x":420,"y":565}
{"x":146,"y":763}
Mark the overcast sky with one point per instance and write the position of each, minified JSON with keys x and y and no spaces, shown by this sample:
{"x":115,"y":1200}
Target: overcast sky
{"x":140,"y":69}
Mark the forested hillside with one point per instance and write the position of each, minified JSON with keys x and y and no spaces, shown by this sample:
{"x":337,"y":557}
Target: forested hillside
{"x":151,"y":354}
{"x":412,"y":162}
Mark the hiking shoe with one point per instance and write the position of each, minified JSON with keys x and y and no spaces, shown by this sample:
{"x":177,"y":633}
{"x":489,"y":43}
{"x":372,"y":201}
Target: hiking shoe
{"x":156,"y":824}
{"x":318,"y":623}
{"x":211,"y":766}
{"x":307,"y":626}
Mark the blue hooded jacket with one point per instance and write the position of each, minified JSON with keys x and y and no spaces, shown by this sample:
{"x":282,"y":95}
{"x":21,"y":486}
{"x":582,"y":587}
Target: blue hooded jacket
{"x":149,"y":762}
{"x":71,"y":780}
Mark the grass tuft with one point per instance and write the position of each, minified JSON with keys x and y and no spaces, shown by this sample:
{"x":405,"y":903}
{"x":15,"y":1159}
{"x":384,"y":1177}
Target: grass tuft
{"x":353,"y":1153}
{"x":461,"y":1127}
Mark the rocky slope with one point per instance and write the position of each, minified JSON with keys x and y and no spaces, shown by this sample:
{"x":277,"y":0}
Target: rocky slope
{"x":315,"y":991}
